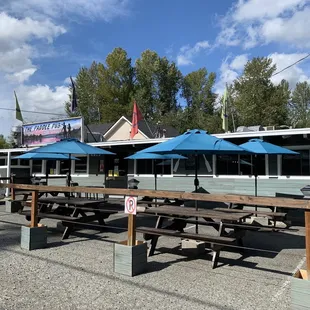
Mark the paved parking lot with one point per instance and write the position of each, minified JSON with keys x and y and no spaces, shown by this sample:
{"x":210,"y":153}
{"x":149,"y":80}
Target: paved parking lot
{"x":78,"y":273}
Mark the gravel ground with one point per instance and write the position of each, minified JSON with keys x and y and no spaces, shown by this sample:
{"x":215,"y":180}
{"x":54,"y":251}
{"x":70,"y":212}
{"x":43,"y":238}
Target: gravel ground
{"x":78,"y":273}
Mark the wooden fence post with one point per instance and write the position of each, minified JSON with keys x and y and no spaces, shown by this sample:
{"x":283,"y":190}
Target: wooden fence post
{"x":12,"y":181}
{"x":307,"y":226}
{"x":131,"y":230}
{"x":34,"y":209}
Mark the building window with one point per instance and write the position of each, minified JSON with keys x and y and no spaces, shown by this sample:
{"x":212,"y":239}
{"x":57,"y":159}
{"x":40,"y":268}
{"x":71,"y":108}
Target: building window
{"x":64,"y":166}
{"x":37,"y":166}
{"x":163,"y":166}
{"x":246,"y":165}
{"x":51,"y":167}
{"x":145,"y":166}
{"x":24,"y":162}
{"x":187,"y":166}
{"x":296,"y":164}
{"x":227,"y":164}
{"x":259,"y":164}
{"x":2,"y":161}
{"x":273,"y":164}
{"x":81,"y":165}
{"x":14,"y":162}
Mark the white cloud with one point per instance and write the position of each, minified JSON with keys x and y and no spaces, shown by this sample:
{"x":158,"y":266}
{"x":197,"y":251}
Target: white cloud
{"x":230,"y":69}
{"x":21,"y":76}
{"x":16,"y":51}
{"x":42,"y":98}
{"x":252,"y":22}
{"x":239,"y":62}
{"x":187,"y":53}
{"x":258,"y":9}
{"x":70,"y":9}
{"x":294,"y":74}
{"x":293,"y":30}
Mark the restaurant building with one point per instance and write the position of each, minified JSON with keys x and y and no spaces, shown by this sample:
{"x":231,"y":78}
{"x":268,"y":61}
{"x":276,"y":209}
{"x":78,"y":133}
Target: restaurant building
{"x":217,"y":173}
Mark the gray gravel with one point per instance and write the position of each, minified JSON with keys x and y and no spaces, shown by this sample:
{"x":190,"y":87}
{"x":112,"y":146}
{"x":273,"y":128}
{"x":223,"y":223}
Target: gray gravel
{"x":78,"y":273}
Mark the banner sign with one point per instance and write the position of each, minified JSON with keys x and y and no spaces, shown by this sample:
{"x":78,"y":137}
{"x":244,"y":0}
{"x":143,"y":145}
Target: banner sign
{"x":52,"y":131}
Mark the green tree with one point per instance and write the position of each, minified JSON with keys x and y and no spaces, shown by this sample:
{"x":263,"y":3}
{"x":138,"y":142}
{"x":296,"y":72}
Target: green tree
{"x":200,"y":100}
{"x":115,"y":85}
{"x":257,"y":100}
{"x":300,"y":105}
{"x":86,"y":84}
{"x":157,"y":84}
{"x":4,"y":144}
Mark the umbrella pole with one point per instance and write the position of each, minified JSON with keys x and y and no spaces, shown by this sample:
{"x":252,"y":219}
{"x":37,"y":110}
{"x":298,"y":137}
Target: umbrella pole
{"x":255,"y":172}
{"x":69,"y":174}
{"x":155,"y":178}
{"x":196,"y":183}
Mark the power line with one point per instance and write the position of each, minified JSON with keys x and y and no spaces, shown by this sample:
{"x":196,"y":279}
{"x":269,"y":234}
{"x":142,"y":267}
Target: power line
{"x":296,"y":62}
{"x":35,"y":112}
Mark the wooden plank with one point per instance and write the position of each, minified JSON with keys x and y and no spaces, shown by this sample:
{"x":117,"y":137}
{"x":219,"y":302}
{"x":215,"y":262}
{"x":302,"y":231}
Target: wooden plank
{"x":34,"y":209}
{"x":191,"y":212}
{"x":275,"y":214}
{"x":131,"y":230}
{"x":307,"y":226}
{"x":173,"y":233}
{"x":241,"y":199}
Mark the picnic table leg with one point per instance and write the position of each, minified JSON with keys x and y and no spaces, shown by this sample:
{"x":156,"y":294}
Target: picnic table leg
{"x":69,"y":228}
{"x":307,"y":226}
{"x":154,"y":239}
{"x":216,"y":250}
{"x":34,"y":209}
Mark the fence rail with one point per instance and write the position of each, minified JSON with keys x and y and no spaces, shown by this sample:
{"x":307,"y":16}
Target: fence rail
{"x":228,"y":198}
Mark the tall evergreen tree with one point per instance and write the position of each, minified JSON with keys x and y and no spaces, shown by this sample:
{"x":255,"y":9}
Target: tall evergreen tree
{"x":300,"y":105}
{"x":257,"y":100}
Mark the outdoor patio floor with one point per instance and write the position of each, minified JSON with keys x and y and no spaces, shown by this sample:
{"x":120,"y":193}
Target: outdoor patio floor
{"x":78,"y":273}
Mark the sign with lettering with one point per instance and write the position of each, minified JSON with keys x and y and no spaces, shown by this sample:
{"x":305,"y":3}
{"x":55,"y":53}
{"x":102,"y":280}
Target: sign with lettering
{"x":53,"y":131}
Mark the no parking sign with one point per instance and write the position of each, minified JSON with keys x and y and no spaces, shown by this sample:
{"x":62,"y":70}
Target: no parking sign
{"x":131,"y":205}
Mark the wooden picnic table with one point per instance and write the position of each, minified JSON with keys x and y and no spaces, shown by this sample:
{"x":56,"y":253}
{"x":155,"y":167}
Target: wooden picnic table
{"x":73,"y":211}
{"x":181,"y":215}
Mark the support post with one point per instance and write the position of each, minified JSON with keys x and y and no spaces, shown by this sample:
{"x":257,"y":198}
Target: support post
{"x":12,"y":181}
{"x":34,"y":209}
{"x":131,"y":230}
{"x":307,"y":226}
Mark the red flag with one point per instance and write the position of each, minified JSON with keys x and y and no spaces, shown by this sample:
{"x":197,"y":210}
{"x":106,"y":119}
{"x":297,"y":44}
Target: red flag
{"x":136,"y":117}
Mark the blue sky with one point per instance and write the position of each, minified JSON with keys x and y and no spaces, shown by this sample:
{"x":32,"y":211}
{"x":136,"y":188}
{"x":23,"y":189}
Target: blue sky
{"x":43,"y":42}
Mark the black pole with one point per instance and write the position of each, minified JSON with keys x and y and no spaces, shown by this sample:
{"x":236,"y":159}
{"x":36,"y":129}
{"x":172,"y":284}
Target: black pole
{"x":69,"y":175}
{"x":196,"y":183}
{"x":255,"y":172}
{"x":155,"y":177}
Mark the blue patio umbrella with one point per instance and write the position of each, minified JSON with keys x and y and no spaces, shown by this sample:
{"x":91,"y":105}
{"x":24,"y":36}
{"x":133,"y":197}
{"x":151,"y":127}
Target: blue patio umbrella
{"x":258,"y":146}
{"x":69,"y":147}
{"x":195,"y":142}
{"x":144,"y":155}
{"x":45,"y":156}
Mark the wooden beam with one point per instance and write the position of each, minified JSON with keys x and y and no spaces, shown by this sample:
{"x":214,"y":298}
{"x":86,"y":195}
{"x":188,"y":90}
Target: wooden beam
{"x":12,"y":189}
{"x":131,"y":230}
{"x":307,"y":226}
{"x":238,"y":199}
{"x":34,"y":209}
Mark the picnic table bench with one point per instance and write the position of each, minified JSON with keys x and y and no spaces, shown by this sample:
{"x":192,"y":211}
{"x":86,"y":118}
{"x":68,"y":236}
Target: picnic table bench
{"x":274,"y":216}
{"x":72,"y":212}
{"x":180,"y":217}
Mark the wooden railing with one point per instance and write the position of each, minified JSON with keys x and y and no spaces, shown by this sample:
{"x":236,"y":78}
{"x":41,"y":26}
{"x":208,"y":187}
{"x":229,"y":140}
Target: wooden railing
{"x":237,"y":199}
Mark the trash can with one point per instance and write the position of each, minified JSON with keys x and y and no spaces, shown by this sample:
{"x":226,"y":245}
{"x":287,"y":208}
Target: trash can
{"x":133,"y":184}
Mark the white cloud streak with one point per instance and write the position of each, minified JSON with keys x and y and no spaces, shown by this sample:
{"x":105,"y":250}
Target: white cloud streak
{"x":188,"y":53}
{"x":256,"y":22}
